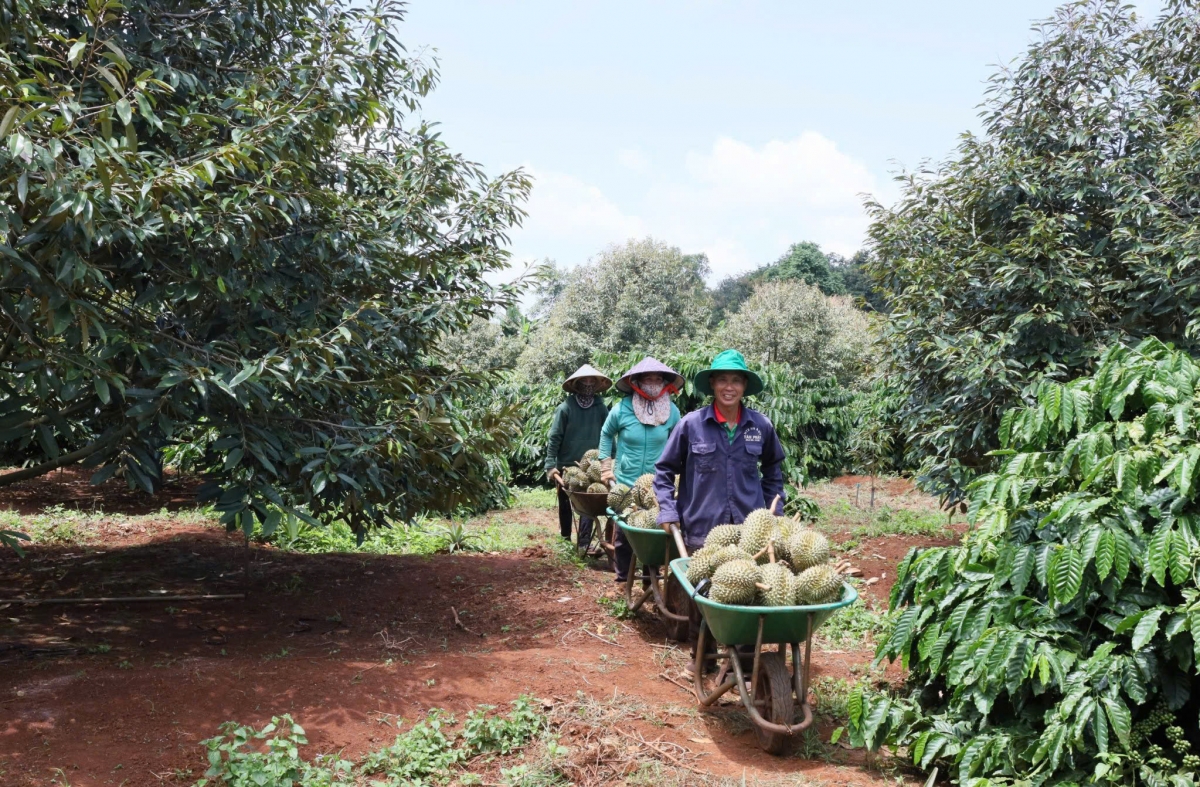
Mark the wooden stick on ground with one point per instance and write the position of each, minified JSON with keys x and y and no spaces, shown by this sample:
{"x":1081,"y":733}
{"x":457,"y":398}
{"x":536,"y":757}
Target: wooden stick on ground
{"x":459,"y":623}
{"x":654,"y":748}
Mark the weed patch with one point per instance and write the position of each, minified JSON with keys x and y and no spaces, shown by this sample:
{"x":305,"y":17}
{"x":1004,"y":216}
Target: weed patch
{"x":429,"y":753}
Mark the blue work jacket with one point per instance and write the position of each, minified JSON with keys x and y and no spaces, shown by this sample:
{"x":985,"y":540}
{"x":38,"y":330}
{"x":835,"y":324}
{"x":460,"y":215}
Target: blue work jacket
{"x":720,"y":481}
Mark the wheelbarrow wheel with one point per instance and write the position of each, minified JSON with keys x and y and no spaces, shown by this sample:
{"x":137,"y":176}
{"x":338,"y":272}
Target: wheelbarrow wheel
{"x":676,"y":601}
{"x":775,"y":701}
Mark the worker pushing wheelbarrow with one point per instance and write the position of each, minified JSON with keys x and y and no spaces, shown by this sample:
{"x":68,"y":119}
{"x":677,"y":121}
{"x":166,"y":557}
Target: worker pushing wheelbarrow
{"x":727,"y":459}
{"x":574,"y":431}
{"x":633,"y":437}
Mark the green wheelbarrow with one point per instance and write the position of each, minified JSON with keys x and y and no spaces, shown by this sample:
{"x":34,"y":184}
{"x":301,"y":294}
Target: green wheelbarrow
{"x":654,"y":548}
{"x":771,"y":692}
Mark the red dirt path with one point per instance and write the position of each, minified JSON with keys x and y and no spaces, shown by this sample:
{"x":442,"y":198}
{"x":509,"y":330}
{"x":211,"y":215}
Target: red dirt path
{"x":123,"y":694}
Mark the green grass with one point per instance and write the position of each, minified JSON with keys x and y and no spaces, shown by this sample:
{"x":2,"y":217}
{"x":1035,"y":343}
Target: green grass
{"x":535,"y":497}
{"x":428,"y":753}
{"x":59,"y":525}
{"x":853,"y":626}
{"x":492,"y":533}
{"x":842,"y":516}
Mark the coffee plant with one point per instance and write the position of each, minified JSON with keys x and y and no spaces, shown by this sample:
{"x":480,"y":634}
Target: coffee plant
{"x":1060,"y":642}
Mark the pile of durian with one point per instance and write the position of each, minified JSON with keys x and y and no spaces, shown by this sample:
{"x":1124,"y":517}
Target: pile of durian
{"x":585,"y":476}
{"x":637,"y":504}
{"x":767,"y":561}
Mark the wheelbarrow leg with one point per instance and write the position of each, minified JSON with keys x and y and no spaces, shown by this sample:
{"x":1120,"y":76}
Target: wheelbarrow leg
{"x":705,"y":698}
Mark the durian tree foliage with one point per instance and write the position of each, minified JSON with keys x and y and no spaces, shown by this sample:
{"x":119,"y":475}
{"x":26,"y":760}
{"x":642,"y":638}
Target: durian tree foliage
{"x":223,"y":239}
{"x":1060,"y":643}
{"x":1068,"y":223}
{"x":790,"y":322}
{"x":642,"y":295}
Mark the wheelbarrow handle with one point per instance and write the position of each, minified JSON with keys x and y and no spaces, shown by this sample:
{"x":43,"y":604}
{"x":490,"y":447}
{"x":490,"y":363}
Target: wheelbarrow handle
{"x":675,"y":532}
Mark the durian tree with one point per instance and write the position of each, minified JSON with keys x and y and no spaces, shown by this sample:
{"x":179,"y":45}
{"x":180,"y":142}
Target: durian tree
{"x":1067,"y":224}
{"x":793,"y":323}
{"x":1060,"y":643}
{"x":643,"y":296}
{"x":225,"y":240}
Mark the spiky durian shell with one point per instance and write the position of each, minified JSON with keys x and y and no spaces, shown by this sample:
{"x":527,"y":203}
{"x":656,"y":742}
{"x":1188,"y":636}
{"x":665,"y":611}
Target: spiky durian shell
{"x":618,"y":497}
{"x":597,"y":487}
{"x":819,"y":585}
{"x":780,"y":586}
{"x":723,"y":536}
{"x":734,"y":582}
{"x":808,"y":548}
{"x":756,"y":530}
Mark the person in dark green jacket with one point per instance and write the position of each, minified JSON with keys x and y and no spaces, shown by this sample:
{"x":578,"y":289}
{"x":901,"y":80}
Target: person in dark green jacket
{"x":636,"y":431}
{"x":575,"y":431}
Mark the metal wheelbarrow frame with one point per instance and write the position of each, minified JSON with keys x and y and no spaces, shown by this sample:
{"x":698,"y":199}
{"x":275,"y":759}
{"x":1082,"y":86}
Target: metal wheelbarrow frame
{"x":656,"y":547}
{"x":773,"y":690}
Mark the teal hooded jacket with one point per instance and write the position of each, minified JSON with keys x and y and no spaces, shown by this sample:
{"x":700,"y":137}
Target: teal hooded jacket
{"x":637,"y":446}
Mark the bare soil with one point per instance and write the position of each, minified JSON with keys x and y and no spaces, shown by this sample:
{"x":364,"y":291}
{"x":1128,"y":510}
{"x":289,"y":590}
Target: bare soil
{"x":348,"y":644}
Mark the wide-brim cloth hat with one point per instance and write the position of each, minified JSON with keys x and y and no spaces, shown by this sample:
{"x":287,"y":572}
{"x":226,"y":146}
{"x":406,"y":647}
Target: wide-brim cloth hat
{"x":728,"y":361}
{"x":587,"y":370}
{"x":650,"y":365}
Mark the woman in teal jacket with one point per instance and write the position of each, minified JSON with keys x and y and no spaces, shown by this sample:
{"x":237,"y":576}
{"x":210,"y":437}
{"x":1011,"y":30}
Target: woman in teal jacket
{"x":636,"y":431}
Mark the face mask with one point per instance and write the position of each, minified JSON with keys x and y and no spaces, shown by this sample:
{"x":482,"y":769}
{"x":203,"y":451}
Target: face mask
{"x":585,"y":388}
{"x":652,"y":390}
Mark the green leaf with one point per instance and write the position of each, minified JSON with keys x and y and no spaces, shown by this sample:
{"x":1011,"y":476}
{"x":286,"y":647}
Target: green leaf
{"x":1118,"y":719}
{"x":124,"y":111}
{"x":1146,"y":628}
{"x":7,"y":123}
{"x":1066,"y":574}
{"x":101,"y":386}
{"x":1105,"y":552}
{"x":1157,"y":553}
{"x":75,"y":53}
{"x":242,"y":376}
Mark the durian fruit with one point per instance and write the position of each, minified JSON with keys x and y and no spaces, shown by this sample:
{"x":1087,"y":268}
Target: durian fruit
{"x":597,"y":487}
{"x":756,"y":530}
{"x":735,"y":582}
{"x":643,"y":492}
{"x":701,"y":565}
{"x":779,"y":585}
{"x":723,"y":536}
{"x":779,"y":546}
{"x":712,"y":558}
{"x":574,"y":478}
{"x":591,"y":455}
{"x":618,"y":497}
{"x":594,"y":471}
{"x":818,"y":585}
{"x":643,"y":518}
{"x":785,"y":526}
{"x":808,"y":548}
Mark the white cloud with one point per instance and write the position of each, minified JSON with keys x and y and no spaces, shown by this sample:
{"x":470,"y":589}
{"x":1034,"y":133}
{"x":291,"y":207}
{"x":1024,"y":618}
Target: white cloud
{"x":741,"y":204}
{"x":565,"y":212}
{"x":634,"y":159}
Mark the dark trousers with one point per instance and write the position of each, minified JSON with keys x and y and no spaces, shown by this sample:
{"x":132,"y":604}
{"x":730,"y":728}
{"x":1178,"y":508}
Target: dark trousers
{"x":566,"y":518}
{"x":622,"y":554}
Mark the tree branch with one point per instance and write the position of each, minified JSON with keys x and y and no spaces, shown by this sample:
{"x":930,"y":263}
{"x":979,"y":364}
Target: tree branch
{"x":26,"y":473}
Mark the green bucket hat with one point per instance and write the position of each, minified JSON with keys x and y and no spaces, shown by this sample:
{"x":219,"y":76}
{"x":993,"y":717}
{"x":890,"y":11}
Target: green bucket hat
{"x":728,"y":361}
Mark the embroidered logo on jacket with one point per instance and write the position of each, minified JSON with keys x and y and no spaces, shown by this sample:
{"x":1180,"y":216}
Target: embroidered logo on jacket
{"x":753,"y":434}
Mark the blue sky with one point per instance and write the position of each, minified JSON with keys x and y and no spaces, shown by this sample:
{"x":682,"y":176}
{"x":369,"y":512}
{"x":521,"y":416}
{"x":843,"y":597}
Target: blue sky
{"x":732,"y":128}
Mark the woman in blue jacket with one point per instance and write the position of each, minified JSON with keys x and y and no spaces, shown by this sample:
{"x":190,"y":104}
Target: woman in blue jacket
{"x":636,"y":431}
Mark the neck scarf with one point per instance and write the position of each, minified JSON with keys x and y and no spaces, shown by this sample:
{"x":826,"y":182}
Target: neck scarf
{"x":585,"y":394}
{"x":652,"y":403}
